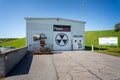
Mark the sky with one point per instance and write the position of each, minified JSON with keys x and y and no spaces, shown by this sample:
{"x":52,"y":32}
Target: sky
{"x":98,"y":14}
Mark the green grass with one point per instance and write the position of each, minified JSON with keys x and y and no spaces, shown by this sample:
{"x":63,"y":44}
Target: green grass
{"x":91,"y":37}
{"x":16,"y":43}
{"x":115,"y":52}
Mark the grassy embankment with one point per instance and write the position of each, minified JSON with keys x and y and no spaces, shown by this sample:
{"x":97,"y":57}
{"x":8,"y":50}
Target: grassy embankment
{"x":17,"y":43}
{"x":91,"y":37}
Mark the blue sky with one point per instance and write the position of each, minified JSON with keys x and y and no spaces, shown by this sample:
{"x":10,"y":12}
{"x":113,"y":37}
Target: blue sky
{"x":98,"y":14}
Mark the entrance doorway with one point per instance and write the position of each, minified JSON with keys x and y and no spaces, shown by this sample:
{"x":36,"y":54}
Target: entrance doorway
{"x":77,"y":43}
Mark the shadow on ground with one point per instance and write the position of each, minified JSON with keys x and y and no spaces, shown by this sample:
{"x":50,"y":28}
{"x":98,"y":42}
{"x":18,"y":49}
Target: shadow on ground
{"x":23,"y":66}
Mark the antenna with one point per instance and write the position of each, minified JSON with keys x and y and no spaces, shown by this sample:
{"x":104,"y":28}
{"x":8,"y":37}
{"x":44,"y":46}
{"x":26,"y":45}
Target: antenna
{"x":83,"y":9}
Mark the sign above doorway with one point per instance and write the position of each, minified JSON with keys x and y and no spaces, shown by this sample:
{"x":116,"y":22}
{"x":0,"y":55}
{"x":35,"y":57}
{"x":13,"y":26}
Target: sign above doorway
{"x":64,"y":28}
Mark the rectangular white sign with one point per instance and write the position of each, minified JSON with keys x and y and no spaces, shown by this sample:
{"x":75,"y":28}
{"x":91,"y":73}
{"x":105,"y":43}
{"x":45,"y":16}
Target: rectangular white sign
{"x":109,"y":41}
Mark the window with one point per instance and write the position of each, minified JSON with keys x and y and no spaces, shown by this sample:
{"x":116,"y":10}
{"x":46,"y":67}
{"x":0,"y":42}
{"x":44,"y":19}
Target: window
{"x":36,"y":37}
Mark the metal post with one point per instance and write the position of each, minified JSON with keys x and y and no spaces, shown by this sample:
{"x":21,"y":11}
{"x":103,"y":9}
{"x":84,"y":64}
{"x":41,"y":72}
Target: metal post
{"x":92,"y":47}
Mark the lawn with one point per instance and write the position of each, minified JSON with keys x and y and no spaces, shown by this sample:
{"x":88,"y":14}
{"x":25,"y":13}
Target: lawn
{"x":17,"y":43}
{"x":91,"y":37}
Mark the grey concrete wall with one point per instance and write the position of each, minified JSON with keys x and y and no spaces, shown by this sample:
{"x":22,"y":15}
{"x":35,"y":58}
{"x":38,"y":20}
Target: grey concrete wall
{"x":2,"y":66}
{"x":9,"y":59}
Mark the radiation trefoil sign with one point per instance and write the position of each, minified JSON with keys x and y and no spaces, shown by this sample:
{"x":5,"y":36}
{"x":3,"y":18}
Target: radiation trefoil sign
{"x":61,"y":39}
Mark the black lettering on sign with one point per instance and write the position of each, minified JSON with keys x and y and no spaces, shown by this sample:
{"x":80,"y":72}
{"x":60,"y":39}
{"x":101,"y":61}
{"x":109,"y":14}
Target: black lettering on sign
{"x":61,"y":28}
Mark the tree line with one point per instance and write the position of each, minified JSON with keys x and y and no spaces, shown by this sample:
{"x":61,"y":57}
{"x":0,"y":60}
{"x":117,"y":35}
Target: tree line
{"x":7,"y":39}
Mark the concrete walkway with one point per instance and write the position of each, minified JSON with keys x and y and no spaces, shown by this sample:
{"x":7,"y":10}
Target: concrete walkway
{"x":67,"y":65}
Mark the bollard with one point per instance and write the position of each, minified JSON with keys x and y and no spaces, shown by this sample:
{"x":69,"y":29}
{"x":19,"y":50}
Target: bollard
{"x":92,"y":47}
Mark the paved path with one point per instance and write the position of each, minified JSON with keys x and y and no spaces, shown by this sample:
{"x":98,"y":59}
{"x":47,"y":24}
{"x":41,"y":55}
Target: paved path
{"x":68,"y":65}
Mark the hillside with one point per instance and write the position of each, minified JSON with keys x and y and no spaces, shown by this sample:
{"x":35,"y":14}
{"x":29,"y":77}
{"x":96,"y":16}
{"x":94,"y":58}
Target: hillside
{"x":91,"y":37}
{"x":17,"y":43}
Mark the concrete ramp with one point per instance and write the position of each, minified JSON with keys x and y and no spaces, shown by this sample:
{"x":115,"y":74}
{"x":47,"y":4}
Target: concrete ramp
{"x":9,"y":59}
{"x":40,"y":67}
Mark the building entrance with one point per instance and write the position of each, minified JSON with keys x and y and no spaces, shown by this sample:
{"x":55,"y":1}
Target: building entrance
{"x":77,"y":43}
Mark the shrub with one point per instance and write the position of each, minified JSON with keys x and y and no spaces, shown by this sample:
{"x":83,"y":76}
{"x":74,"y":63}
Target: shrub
{"x":117,"y":27}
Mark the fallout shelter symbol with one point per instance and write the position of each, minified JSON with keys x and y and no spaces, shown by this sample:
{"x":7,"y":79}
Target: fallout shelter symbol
{"x":61,"y":39}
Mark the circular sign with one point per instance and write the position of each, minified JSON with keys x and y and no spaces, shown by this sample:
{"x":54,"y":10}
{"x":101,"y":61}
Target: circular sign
{"x":61,"y":39}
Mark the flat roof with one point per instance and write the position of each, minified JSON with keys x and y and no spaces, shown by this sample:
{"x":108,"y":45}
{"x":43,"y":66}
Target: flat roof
{"x":39,"y":18}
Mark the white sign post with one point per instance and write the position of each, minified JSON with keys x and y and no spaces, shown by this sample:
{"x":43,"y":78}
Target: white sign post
{"x":92,"y":47}
{"x":108,"y":41}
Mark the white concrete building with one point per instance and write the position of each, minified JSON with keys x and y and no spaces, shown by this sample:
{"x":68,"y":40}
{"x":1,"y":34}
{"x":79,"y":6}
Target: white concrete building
{"x":62,"y":34}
